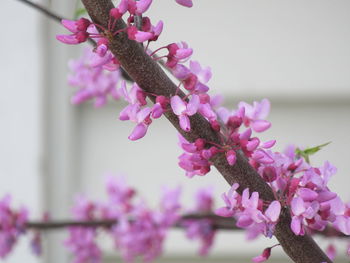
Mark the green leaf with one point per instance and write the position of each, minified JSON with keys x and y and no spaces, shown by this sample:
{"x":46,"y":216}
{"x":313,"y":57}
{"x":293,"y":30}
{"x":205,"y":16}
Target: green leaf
{"x":79,"y":12}
{"x":310,"y":151}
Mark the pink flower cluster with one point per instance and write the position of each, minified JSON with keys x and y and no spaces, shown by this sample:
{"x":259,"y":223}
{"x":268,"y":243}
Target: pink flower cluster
{"x":12,"y":225}
{"x":304,"y":189}
{"x":202,"y":229}
{"x":83,"y":29}
{"x":193,"y":78}
{"x":81,"y":241}
{"x":250,"y":211}
{"x":298,"y":186}
{"x":136,"y":112}
{"x":196,"y":159}
{"x":139,"y":231}
{"x":95,"y":78}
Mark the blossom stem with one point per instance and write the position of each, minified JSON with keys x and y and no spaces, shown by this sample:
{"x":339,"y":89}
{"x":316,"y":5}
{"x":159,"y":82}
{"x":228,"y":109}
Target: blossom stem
{"x":118,"y":31}
{"x":155,"y":51}
{"x":158,"y":58}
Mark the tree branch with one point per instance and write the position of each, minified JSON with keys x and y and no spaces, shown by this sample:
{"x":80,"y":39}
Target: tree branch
{"x":42,"y":10}
{"x":150,"y":77}
{"x":218,"y":222}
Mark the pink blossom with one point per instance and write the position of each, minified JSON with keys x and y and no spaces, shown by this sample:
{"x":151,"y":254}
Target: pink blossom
{"x":169,"y":206}
{"x":79,"y":30}
{"x":139,"y":36}
{"x":231,"y":157}
{"x":156,"y":30}
{"x":120,"y":195}
{"x":140,"y":238}
{"x":12,"y":225}
{"x":81,"y":241}
{"x":178,"y":53}
{"x":93,"y":82}
{"x":120,"y":10}
{"x":139,"y":131}
{"x":134,"y":112}
{"x":264,"y":256}
{"x":134,"y":96}
{"x":248,"y":211}
{"x":36,"y":244}
{"x":82,"y":244}
{"x":142,"y":118}
{"x":202,"y":229}
{"x":331,"y":251}
{"x":187,"y":3}
{"x":195,"y":160}
{"x":203,"y":75}
{"x":184,"y":110}
{"x":138,"y":7}
{"x":255,"y":115}
{"x":231,"y":199}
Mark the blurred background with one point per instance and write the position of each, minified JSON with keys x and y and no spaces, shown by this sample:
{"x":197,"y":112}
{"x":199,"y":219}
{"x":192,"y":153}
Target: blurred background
{"x":295,"y":53}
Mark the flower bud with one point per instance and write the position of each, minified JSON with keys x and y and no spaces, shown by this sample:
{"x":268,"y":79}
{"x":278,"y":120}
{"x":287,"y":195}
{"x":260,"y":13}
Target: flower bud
{"x":269,"y":174}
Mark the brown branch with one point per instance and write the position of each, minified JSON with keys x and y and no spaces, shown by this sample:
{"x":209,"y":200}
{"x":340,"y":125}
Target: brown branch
{"x":150,"y":77}
{"x":218,"y":222}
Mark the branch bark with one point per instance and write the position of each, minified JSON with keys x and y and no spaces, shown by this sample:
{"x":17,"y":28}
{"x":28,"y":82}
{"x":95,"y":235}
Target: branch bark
{"x":218,"y":223}
{"x":150,"y":77}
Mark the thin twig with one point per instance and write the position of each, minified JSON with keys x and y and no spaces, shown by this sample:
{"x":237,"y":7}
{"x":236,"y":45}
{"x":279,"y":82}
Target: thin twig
{"x":58,"y":19}
{"x":43,"y":10}
{"x":217,"y":223}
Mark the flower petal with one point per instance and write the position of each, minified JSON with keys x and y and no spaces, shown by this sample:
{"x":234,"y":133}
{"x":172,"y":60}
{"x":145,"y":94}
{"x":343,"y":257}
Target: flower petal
{"x":297,"y":206}
{"x":273,"y":211}
{"x":187,"y":3}
{"x":260,"y":125}
{"x":192,"y":105}
{"x":185,"y":123}
{"x":178,"y":105}
{"x":138,"y":132}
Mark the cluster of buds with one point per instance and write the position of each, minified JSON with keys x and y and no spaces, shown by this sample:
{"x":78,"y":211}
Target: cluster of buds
{"x":79,"y":29}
